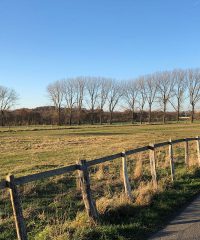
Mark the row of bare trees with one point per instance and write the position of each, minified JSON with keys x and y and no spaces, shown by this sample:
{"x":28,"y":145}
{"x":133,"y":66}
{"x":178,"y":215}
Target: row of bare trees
{"x":158,"y":91}
{"x":89,"y":92}
{"x":175,"y":90}
{"x":8,"y":98}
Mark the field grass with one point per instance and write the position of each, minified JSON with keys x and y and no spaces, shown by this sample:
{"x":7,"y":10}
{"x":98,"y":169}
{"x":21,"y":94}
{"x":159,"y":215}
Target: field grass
{"x":53,"y":207}
{"x":24,"y":152}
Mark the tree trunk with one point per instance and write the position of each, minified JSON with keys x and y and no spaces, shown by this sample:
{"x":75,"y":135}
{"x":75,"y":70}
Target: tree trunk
{"x":192,"y":113}
{"x":178,"y":115}
{"x":100,"y":116}
{"x":164,"y":114}
{"x":149,"y":113}
{"x":141,"y":115}
{"x":2,"y":118}
{"x":59,"y":116}
{"x":79,"y":116}
{"x":92,"y":116}
{"x":111,"y":116}
{"x":178,"y":111}
{"x":70,"y":117}
{"x":132,"y":116}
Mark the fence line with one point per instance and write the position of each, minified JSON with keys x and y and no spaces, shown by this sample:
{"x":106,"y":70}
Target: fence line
{"x":84,"y":180}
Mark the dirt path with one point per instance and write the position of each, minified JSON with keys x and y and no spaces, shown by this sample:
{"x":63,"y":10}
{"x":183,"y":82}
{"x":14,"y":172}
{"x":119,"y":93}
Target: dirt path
{"x":185,"y":226}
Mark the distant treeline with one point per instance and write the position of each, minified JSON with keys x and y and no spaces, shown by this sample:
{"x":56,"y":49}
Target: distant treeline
{"x":178,"y":90}
{"x":48,"y":116}
{"x":161,"y":96}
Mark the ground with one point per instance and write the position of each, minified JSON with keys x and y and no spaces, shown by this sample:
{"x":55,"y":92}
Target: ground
{"x":53,"y":207}
{"x":27,"y":151}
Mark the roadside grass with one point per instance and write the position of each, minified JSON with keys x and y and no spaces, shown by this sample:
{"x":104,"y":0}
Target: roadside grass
{"x":53,"y":208}
{"x":55,"y":215}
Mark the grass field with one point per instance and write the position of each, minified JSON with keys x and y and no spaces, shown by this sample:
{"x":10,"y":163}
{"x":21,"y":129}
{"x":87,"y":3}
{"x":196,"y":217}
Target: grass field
{"x":53,"y":208}
{"x":24,"y":152}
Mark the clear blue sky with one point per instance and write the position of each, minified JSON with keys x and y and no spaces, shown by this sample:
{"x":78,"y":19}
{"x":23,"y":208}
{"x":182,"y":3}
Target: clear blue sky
{"x":45,"y":40}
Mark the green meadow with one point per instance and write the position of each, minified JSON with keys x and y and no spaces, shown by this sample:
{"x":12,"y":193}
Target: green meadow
{"x":53,"y":208}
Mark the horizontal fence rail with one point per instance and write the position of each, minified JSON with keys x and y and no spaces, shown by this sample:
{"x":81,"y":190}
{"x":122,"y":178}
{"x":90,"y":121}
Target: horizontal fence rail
{"x":84,"y":178}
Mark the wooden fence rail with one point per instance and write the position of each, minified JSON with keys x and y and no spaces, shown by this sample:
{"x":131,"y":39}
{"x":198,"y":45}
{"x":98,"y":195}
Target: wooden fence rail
{"x":84,"y":180}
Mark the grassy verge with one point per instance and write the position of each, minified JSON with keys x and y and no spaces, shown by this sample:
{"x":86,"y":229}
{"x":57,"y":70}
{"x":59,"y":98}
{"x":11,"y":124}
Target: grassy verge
{"x":129,"y":220}
{"x":59,"y":214}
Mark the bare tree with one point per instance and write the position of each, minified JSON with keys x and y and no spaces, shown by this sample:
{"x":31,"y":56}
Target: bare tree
{"x":80,"y":89}
{"x":130,"y":95}
{"x":103,"y":94}
{"x":141,"y":96}
{"x":56,"y":94}
{"x":193,"y":81}
{"x":114,"y":95}
{"x":179,"y":78}
{"x":69,"y":92}
{"x":8,"y":98}
{"x":92,"y":86}
{"x":151,"y":90}
{"x":165,"y":84}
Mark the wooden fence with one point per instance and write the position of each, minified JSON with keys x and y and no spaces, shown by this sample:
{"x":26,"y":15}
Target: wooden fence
{"x":84,"y":180}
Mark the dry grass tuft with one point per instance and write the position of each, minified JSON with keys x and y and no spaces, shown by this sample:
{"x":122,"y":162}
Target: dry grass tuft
{"x":55,"y":232}
{"x":80,"y":221}
{"x":104,"y":204}
{"x":193,"y":158}
{"x":29,"y":211}
{"x":138,"y":169}
{"x":29,"y":188}
{"x":100,"y":173}
{"x":144,"y":193}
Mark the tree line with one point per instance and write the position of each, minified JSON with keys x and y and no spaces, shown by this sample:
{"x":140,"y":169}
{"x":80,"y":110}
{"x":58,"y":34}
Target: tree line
{"x":159,"y":91}
{"x":152,"y":97}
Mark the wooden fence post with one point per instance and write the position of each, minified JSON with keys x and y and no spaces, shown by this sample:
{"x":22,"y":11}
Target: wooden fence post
{"x":127,"y":186}
{"x":17,"y":210}
{"x":186,"y":152}
{"x":171,"y":159}
{"x":153,"y":165}
{"x":198,"y":150}
{"x":84,"y":179}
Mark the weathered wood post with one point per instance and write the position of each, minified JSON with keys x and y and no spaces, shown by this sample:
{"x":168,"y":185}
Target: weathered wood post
{"x":171,"y":159}
{"x":198,"y":150}
{"x":127,"y":186}
{"x":84,"y":179}
{"x":17,"y":210}
{"x":153,"y":165}
{"x":186,"y":152}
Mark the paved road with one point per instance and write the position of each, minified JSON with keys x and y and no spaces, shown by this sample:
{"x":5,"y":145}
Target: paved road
{"x":186,"y":226}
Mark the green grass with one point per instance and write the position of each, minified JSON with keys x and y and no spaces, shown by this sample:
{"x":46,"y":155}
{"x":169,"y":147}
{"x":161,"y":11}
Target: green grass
{"x":28,"y":151}
{"x":53,"y":207}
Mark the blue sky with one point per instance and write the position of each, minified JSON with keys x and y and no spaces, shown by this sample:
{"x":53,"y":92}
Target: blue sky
{"x":45,"y":40}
